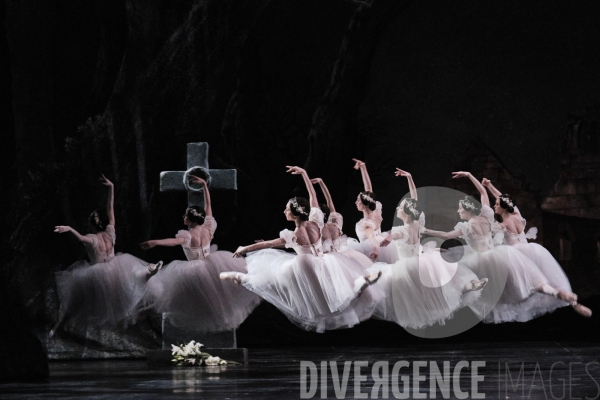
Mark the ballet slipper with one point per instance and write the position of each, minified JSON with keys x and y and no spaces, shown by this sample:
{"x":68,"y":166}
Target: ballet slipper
{"x":154,"y":268}
{"x":365,"y":281}
{"x":235,"y":277}
{"x":478,"y":285}
{"x":582,"y":310}
{"x":372,"y":278}
{"x":570,"y":298}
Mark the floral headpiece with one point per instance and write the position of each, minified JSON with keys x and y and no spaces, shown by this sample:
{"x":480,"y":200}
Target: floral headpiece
{"x":193,"y":212}
{"x":366,"y":197}
{"x":297,"y":206}
{"x":411,"y":207}
{"x":507,"y":201}
{"x":468,"y":205}
{"x":96,"y":217}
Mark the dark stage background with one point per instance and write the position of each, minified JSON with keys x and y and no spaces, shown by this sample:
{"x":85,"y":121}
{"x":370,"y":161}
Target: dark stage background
{"x":119,"y":87}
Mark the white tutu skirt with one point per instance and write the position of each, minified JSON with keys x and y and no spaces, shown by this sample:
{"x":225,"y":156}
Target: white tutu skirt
{"x":387,"y":254}
{"x":105,"y":294}
{"x":315,"y":293}
{"x":512,"y":293}
{"x":423,"y":290}
{"x":356,"y":256}
{"x":192,"y":295}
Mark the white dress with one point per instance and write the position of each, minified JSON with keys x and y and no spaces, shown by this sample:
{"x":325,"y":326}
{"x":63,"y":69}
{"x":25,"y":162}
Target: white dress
{"x":105,"y":291}
{"x":386,"y":254}
{"x":512,"y":292}
{"x":316,"y":291}
{"x":554,"y":274}
{"x":192,"y":295}
{"x":340,"y":244}
{"x":422,"y":289}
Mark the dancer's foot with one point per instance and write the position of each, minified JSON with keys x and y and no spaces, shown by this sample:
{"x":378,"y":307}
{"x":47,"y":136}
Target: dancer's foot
{"x":154,"y":268}
{"x":372,"y":278}
{"x":478,"y":285}
{"x":570,"y":298}
{"x":582,"y":310}
{"x":235,"y":277}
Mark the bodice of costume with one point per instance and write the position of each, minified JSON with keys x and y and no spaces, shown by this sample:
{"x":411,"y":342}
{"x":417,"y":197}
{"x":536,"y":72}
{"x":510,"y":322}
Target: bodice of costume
{"x":316,"y":248}
{"x":407,"y":246}
{"x":93,"y":251}
{"x":479,"y":243}
{"x":374,"y":223}
{"x":333,"y":245}
{"x":197,"y":253}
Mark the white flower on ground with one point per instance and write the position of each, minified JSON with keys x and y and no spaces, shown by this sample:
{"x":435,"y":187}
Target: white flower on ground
{"x":175,"y":349}
{"x":212,"y":360}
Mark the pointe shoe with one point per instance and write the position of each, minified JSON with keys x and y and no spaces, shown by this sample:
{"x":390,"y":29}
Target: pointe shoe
{"x":478,"y":285}
{"x":582,"y":310}
{"x":154,"y":268}
{"x":236,"y":277}
{"x":570,"y":298}
{"x":372,"y":278}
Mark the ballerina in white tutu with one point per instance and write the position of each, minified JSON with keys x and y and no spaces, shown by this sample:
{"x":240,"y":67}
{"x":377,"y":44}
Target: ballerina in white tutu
{"x":371,"y":241}
{"x":190,"y":292}
{"x":422,"y":289}
{"x":332,"y":236}
{"x":106,"y":290}
{"x":512,"y":225}
{"x":517,"y":290}
{"x":316,"y":291}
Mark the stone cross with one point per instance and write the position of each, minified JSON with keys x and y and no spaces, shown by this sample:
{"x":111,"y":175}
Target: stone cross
{"x":197,"y":164}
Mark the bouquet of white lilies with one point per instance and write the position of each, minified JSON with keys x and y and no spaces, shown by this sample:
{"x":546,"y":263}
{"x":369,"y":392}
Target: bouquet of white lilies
{"x":192,"y":354}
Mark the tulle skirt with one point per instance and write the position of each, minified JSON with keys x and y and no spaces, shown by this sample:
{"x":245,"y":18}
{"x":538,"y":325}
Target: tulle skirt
{"x":105,"y":294}
{"x":423,"y":290}
{"x":315,"y":293}
{"x":192,"y":296}
{"x":512,"y":293}
{"x":356,"y":256}
{"x":387,"y":254}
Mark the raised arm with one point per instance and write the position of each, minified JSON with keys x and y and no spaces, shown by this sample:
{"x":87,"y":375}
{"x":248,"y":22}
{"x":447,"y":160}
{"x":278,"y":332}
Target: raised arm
{"x":443,"y":235}
{"x":78,"y":236}
{"x":110,"y":207}
{"x":485,"y":200}
{"x":325,"y":192}
{"x":242,"y":250}
{"x":207,"y":205}
{"x":162,"y":242}
{"x":312,"y":195}
{"x":488,"y":184}
{"x":411,"y":183}
{"x":365,"y":175}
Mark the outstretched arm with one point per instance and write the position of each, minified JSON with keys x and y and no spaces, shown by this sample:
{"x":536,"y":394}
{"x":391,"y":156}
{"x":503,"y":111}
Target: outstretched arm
{"x":242,"y":250}
{"x":312,"y":195}
{"x":78,"y":236}
{"x":162,"y":242}
{"x":443,"y":235}
{"x":365,"y":175}
{"x":488,"y":184}
{"x":325,"y":192}
{"x":207,"y":205}
{"x":485,"y":200}
{"x":110,"y":207}
{"x":411,"y":183}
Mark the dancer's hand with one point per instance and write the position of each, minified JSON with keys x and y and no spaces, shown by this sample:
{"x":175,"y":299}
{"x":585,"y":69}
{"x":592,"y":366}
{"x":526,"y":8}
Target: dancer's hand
{"x":105,"y":181}
{"x":316,"y":181}
{"x":148,"y":245}
{"x":196,"y":179}
{"x":240,"y":252}
{"x":486,"y":182}
{"x":460,"y":174}
{"x":386,"y":241}
{"x":400,"y":172}
{"x":295,"y":170}
{"x":62,"y":229}
{"x":357,"y":163}
{"x":258,"y":241}
{"x":374,"y":254}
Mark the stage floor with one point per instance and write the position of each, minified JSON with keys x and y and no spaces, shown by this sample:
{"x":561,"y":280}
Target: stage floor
{"x":538,"y":370}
